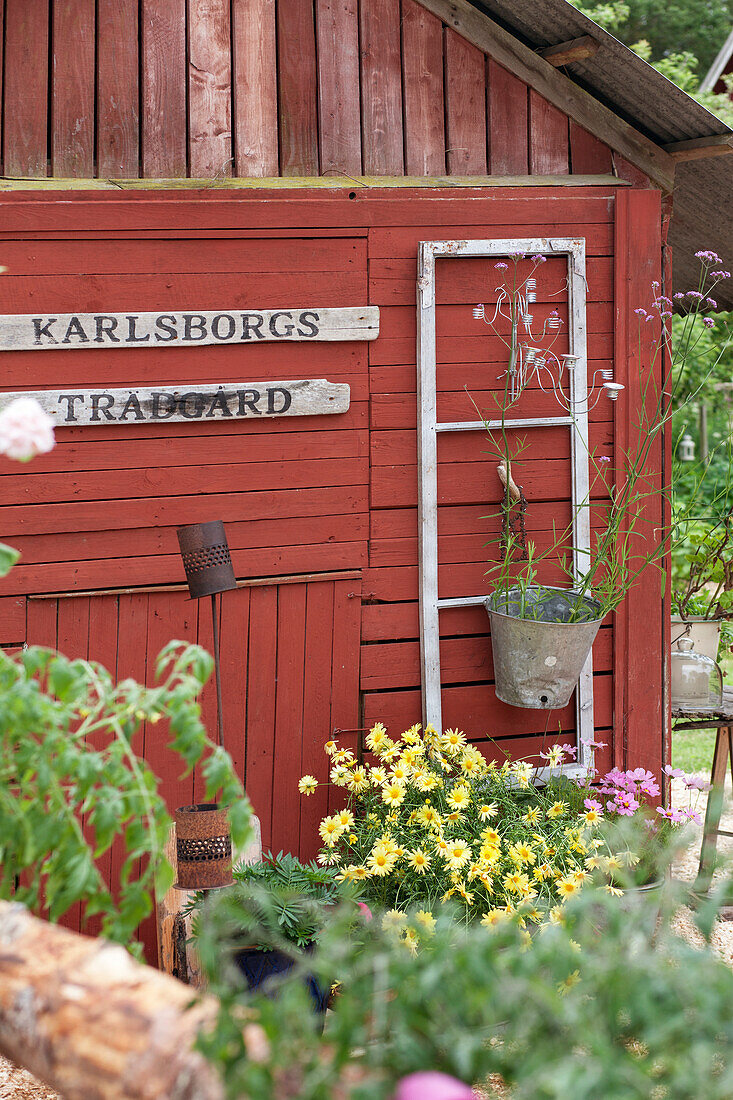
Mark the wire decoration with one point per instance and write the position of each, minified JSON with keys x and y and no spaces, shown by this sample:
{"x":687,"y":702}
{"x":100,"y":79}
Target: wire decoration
{"x":532,"y":355}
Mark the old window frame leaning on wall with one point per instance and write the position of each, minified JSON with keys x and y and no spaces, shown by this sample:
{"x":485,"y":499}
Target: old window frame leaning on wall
{"x":427,"y":458}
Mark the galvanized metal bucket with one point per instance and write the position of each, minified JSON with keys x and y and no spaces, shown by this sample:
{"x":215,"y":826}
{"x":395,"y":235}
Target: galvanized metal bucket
{"x":538,"y":660}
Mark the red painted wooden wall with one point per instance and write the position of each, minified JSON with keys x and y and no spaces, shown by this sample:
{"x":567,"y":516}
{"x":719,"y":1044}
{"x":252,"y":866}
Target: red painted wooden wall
{"x":252,"y":88}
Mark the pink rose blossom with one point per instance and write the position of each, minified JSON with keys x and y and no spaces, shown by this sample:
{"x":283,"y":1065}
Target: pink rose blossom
{"x":430,"y":1085}
{"x":25,"y":430}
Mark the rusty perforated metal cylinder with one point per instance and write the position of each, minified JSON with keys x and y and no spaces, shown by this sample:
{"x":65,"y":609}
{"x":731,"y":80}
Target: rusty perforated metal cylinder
{"x":203,"y":847}
{"x":206,"y":558}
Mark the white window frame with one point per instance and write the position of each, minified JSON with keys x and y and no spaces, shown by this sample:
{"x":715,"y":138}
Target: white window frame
{"x":427,"y":461}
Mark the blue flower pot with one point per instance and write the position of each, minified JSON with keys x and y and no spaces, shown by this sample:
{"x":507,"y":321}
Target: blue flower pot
{"x":258,"y":965}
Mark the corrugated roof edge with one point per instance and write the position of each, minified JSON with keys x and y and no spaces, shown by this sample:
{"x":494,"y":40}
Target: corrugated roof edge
{"x":627,"y":85}
{"x":617,"y":76}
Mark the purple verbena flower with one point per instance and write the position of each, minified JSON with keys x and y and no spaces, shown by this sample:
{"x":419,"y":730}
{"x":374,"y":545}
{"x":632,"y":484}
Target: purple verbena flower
{"x":711,"y":302}
{"x":720,"y":274}
{"x":640,"y":312}
{"x":501,"y":267}
{"x":695,"y":294}
{"x":538,"y":259}
{"x":708,"y":322}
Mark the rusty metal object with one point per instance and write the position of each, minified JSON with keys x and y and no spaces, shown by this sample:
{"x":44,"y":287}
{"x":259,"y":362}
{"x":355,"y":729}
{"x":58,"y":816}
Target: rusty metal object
{"x":538,"y":658}
{"x":206,"y":558}
{"x":203,"y":847}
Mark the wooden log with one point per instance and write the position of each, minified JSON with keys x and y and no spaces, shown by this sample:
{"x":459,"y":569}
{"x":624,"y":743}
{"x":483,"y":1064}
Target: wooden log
{"x":85,"y":1017}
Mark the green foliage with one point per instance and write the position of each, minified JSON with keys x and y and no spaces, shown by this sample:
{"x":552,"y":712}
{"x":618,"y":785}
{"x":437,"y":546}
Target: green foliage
{"x":608,"y":1003}
{"x":8,"y":558}
{"x":689,"y":31}
{"x":276,"y":903}
{"x":71,"y":783}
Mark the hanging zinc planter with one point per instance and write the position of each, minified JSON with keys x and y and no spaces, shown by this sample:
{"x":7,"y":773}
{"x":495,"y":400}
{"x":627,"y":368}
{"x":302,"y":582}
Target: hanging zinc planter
{"x":540,"y":638}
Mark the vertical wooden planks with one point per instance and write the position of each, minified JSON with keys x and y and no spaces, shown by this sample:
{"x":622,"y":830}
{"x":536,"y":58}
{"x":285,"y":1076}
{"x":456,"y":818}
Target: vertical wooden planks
{"x":422,"y":61}
{"x":508,"y":153}
{"x":42,"y":623}
{"x":639,"y":655}
{"x":255,"y":88}
{"x":164,"y":124}
{"x":316,"y":709}
{"x":588,"y":155}
{"x":298,"y":88}
{"x":291,"y":719}
{"x":465,"y":101}
{"x":261,"y":695}
{"x":548,"y":138}
{"x":73,"y":80}
{"x":25,"y":137}
{"x":234,"y":657}
{"x":118,"y":89}
{"x":381,"y":88}
{"x":209,"y":89}
{"x":337,"y":36}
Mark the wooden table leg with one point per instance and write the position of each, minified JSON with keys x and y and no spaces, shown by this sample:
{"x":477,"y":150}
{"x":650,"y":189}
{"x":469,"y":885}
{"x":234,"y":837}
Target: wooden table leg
{"x":722,"y":756}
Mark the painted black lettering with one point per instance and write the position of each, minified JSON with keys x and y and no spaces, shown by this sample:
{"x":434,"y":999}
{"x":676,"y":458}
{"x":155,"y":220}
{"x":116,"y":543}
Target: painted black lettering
{"x":230,"y":323}
{"x":105,"y":328}
{"x":286,"y":396}
{"x":198,"y":405}
{"x":249,"y":401}
{"x":70,"y":398}
{"x":219,"y":401}
{"x":311,"y":329}
{"x":168,"y":401}
{"x":75,"y":328}
{"x":102,"y":402}
{"x":44,"y":330}
{"x":132,"y":405}
{"x":132,"y":337}
{"x":253,"y":322}
{"x":194,"y":322}
{"x":287,"y":328}
{"x":170,"y":328}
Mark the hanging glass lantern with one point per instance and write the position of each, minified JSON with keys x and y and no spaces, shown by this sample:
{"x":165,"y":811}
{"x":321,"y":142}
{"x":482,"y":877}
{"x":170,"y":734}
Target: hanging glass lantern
{"x":686,"y":448}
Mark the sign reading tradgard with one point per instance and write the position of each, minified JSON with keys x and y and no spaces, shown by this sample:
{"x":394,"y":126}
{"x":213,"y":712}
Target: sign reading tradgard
{"x":25,"y":332}
{"x":234,"y":401}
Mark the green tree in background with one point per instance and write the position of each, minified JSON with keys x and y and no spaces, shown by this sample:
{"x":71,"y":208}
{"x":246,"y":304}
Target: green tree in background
{"x":680,"y":38}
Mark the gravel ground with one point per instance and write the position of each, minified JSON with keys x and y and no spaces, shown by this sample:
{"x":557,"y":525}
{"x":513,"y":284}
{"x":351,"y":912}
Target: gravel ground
{"x":16,"y":1084}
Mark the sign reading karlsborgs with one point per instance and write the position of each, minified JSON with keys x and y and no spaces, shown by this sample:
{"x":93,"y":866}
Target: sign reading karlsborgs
{"x":185,"y":328}
{"x":182,"y":404}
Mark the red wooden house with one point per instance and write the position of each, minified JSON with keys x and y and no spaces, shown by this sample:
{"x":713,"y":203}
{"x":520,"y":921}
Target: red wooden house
{"x":214,"y":158}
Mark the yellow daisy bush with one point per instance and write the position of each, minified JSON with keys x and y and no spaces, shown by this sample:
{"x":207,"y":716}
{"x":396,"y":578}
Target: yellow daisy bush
{"x":430,"y":819}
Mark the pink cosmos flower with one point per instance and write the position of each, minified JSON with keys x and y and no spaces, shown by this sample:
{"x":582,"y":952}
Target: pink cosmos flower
{"x":591,"y":804}
{"x":25,"y":430}
{"x":430,"y":1085}
{"x":673,"y":773}
{"x":569,"y":750}
{"x":366,"y":911}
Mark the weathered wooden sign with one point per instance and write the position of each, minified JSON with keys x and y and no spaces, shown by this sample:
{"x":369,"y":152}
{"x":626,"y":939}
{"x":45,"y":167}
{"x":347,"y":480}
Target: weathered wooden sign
{"x":173,"y":328}
{"x":224,"y":401}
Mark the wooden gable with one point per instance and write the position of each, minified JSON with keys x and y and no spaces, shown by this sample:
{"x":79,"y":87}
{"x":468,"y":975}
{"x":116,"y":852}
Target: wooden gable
{"x":295,"y":88}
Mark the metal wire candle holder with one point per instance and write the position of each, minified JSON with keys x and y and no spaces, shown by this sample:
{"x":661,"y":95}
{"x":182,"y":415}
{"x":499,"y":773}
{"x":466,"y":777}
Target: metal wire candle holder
{"x":531,"y":357}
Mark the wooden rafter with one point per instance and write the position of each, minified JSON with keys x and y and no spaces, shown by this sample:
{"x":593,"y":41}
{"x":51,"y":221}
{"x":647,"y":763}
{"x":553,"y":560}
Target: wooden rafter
{"x":569,"y":97}
{"x":716,"y":145}
{"x":565,"y":53}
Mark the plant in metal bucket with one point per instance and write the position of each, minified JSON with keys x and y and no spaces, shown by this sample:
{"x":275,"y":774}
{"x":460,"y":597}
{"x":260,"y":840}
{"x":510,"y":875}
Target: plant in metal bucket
{"x":612,"y":536}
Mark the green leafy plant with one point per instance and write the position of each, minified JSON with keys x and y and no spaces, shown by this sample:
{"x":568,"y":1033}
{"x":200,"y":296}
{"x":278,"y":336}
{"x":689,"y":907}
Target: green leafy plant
{"x":279,"y":902}
{"x":609,"y":1002}
{"x":71,"y":782}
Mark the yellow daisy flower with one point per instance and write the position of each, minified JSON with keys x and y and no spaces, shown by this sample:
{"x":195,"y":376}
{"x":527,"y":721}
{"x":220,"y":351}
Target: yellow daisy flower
{"x":428,"y":815}
{"x":330,"y":747}
{"x":418,"y":860}
{"x":307,"y":784}
{"x":458,"y":854}
{"x":378,"y":776}
{"x":567,"y":887}
{"x":493,"y":917}
{"x":522,"y":853}
{"x":393,"y":794}
{"x":453,"y":742}
{"x":345,"y":819}
{"x":487,"y":811}
{"x":532,"y":816}
{"x":557,"y":809}
{"x":330,"y":830}
{"x":516,"y":882}
{"x":394,"y":919}
{"x":380,"y":863}
{"x":459,"y":797}
{"x":358,"y":781}
{"x":426,"y":919}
